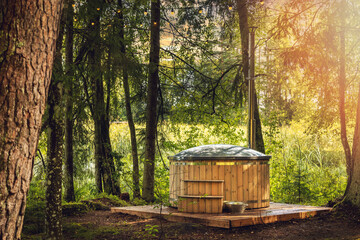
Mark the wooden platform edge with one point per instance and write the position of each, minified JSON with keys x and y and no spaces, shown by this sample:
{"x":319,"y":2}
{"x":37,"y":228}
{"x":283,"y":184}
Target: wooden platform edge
{"x":223,"y":223}
{"x":257,"y":220}
{"x":175,"y":217}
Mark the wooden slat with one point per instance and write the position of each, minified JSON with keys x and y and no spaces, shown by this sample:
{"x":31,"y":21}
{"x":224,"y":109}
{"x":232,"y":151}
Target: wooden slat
{"x":263,"y":182}
{"x":181,"y":176}
{"x":196,"y":188}
{"x":240,"y":186}
{"x":209,"y":185}
{"x":177,"y":179}
{"x":196,"y":175}
{"x":186,"y":176}
{"x":190,"y":188}
{"x":234,"y":183}
{"x":227,"y":176}
{"x":202,"y":188}
{"x":256,"y":185}
{"x":205,"y":180}
{"x":201,"y":196}
{"x":246,"y":182}
{"x":171,"y":182}
{"x":251,"y":185}
{"x":260,"y":177}
{"x":267,"y":187}
{"x":222,"y":177}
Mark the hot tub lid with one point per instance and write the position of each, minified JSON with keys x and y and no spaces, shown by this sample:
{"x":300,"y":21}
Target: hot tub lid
{"x":219,"y":152}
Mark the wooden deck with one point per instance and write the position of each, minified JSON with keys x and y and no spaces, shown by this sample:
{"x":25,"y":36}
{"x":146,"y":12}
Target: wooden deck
{"x":277,"y":212}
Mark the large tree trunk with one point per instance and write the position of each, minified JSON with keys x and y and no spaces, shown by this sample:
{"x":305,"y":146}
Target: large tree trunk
{"x":151,"y":107}
{"x":69,"y":193}
{"x":129,"y":116}
{"x":55,"y":136}
{"x":106,"y":177}
{"x":242,"y":10}
{"x":94,"y":60}
{"x":352,"y":192}
{"x":28,"y":31}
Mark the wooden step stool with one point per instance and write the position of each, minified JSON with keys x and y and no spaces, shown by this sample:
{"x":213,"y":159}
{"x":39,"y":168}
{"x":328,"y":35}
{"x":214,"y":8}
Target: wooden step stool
{"x":201,"y":196}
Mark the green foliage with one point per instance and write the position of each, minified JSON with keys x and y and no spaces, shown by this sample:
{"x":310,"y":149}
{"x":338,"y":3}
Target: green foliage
{"x":151,"y":230}
{"x":138,"y":202}
{"x":307,"y":169}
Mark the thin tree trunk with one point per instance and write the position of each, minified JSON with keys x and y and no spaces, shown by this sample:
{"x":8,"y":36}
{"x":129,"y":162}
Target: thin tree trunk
{"x":151,"y":107}
{"x":353,"y":190}
{"x":55,"y":136}
{"x":129,"y":116}
{"x":342,"y":86}
{"x":28,"y":33}
{"x":69,"y":193}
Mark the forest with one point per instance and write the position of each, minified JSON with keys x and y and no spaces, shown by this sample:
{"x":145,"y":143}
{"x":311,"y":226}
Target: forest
{"x":95,"y":95}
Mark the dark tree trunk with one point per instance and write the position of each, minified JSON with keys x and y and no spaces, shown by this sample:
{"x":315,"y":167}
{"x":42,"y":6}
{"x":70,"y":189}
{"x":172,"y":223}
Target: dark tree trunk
{"x":151,"y":108}
{"x":28,"y":32}
{"x":242,"y":10}
{"x":94,"y":60}
{"x":106,"y":177}
{"x":55,"y":136}
{"x":129,"y":116}
{"x":69,"y":193}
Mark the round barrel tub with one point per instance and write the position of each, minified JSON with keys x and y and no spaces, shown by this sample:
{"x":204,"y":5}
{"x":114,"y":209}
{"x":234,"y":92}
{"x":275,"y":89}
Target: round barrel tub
{"x":202,"y":178}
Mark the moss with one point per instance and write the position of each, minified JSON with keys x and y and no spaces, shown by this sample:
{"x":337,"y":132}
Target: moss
{"x":90,"y":231}
{"x":74,"y":208}
{"x":110,"y":200}
{"x":34,"y":218}
{"x":76,"y":229}
{"x":94,"y":205}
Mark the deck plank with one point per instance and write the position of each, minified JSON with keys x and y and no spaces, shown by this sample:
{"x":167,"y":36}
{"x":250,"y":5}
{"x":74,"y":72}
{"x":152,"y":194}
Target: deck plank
{"x":277,"y":212}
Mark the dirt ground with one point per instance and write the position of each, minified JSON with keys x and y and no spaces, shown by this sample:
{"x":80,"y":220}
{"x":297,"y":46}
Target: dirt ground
{"x":107,"y":225}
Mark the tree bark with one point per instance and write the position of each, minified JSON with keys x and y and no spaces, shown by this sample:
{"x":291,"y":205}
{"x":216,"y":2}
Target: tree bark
{"x":129,"y":116}
{"x":28,"y":32}
{"x":151,"y":107}
{"x":244,"y":32}
{"x":69,"y":193}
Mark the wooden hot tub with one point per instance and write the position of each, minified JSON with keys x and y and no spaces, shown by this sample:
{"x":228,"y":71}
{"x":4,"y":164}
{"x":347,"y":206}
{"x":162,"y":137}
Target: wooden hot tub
{"x":201,"y":178}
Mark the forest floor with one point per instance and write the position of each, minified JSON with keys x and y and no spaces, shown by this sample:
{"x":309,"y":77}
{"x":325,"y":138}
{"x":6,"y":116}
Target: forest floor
{"x":103,"y":224}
